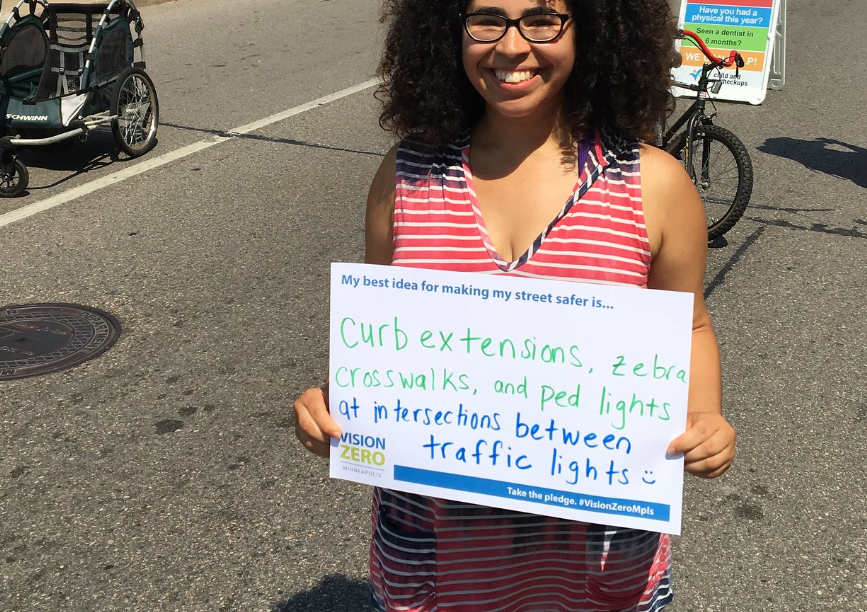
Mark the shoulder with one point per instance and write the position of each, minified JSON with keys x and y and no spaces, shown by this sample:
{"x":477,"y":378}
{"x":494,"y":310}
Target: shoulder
{"x":407,"y":160}
{"x":415,"y":159}
{"x":664,"y":181}
{"x":383,"y":180}
{"x":660,"y":169}
{"x":379,"y":216}
{"x":670,"y":201}
{"x":380,"y":197}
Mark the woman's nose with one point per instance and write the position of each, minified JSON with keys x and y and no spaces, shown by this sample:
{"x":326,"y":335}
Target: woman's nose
{"x":512,"y":43}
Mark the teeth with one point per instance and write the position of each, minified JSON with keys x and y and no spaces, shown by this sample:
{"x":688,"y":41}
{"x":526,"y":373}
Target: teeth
{"x":516,"y":76}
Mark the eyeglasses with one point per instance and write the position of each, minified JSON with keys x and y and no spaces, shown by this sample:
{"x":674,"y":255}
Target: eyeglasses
{"x":539,"y":28}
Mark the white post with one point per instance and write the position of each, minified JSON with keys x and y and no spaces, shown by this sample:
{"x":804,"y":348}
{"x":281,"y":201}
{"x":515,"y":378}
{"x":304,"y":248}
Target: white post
{"x":778,"y":61}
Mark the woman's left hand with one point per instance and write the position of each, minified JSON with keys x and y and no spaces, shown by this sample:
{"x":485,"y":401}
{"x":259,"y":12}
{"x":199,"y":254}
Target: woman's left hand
{"x":707,"y":445}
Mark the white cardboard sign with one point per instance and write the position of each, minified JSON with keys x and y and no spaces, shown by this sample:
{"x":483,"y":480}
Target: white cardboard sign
{"x":546,"y":397}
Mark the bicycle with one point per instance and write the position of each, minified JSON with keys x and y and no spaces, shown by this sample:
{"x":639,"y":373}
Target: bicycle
{"x":724,"y":176}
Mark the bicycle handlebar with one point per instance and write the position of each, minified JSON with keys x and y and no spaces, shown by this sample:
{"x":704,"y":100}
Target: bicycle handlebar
{"x":733,"y":58}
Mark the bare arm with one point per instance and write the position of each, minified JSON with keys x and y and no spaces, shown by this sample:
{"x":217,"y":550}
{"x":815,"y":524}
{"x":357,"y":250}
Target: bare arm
{"x":313,"y":423}
{"x":678,"y":234}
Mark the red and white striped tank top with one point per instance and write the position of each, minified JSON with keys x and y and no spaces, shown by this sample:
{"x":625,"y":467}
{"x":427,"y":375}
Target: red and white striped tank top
{"x":431,"y":554}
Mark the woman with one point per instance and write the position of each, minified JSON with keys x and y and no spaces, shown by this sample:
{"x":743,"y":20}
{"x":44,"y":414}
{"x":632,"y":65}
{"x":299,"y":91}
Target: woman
{"x":522,"y":122}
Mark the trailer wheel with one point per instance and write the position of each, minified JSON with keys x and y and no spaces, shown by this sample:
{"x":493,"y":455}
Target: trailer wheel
{"x":14,"y":181}
{"x":134,"y":103}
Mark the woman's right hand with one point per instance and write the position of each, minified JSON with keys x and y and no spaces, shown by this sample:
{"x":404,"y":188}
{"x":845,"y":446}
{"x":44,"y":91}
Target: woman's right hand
{"x":314,"y":426}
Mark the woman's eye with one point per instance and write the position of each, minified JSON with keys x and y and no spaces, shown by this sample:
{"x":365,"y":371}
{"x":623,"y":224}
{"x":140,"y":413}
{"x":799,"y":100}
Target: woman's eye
{"x":488,"y":22}
{"x":541,"y":21}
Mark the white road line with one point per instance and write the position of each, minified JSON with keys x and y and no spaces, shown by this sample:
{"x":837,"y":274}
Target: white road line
{"x":156,"y":162}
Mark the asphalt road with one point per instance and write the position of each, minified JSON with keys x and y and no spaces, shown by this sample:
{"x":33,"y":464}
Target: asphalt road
{"x":164,"y":475}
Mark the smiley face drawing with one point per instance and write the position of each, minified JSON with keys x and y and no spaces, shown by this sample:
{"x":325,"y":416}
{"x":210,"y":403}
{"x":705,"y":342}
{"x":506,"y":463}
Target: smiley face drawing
{"x":648,"y":477}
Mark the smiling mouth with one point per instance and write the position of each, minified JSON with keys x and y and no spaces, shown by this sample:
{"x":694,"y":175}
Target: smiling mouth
{"x":514,"y":76}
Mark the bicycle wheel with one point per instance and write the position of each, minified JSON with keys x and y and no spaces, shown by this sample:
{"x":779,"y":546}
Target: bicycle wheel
{"x":134,"y":102}
{"x":14,"y":182}
{"x":722,"y":173}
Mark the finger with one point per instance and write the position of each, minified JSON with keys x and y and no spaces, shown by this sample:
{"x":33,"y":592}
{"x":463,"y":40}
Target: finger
{"x":306,"y":427}
{"x":710,"y":467}
{"x":320,"y":415}
{"x":314,"y":404}
{"x":318,"y":448}
{"x":701,"y":427}
{"x":687,"y":441}
{"x":706,"y":448}
{"x":313,"y":439}
{"x":710,"y":459}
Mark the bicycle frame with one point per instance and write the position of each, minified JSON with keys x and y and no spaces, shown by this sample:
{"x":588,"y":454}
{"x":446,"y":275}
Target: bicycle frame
{"x":694,"y":114}
{"x":696,"y":111}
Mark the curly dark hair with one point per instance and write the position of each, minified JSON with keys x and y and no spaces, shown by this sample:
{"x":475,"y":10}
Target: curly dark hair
{"x":624,"y":54}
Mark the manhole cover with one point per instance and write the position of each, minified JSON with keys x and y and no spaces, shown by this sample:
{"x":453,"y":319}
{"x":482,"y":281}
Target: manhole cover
{"x":41,"y":338}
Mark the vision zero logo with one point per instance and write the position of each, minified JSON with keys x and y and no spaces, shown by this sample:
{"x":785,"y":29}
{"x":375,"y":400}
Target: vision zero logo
{"x":362,"y":450}
{"x":27,"y":117}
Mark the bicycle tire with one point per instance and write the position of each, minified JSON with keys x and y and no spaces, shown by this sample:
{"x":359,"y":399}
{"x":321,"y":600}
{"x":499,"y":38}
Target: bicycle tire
{"x":15,"y":183}
{"x":726,"y":183}
{"x":134,"y":103}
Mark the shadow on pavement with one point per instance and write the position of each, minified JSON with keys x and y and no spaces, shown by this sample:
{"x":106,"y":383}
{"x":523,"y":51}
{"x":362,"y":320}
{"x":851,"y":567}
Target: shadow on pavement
{"x":334,"y":593}
{"x":97,"y":150}
{"x":826,"y":155}
{"x":261,"y":137}
{"x":73,"y":158}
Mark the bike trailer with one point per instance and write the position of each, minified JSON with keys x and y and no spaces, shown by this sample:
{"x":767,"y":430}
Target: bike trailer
{"x":67,"y":68}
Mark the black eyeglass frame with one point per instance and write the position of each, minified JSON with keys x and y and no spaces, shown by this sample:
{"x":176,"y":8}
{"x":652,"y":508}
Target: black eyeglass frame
{"x":516,"y":23}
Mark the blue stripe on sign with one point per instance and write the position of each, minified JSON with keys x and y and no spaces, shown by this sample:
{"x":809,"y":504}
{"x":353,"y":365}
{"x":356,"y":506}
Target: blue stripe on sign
{"x":538,"y":495}
{"x":728,"y":16}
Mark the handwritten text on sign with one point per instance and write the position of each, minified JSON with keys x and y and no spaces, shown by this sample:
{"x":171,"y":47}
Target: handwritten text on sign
{"x":540,"y":396}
